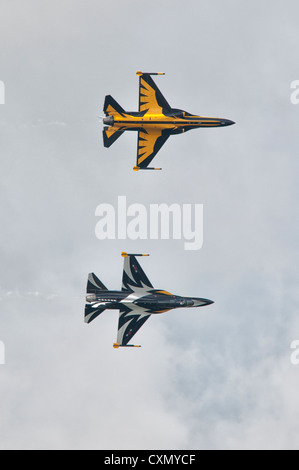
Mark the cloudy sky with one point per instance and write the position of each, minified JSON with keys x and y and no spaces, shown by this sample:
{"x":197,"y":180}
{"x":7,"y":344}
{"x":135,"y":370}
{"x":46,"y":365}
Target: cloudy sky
{"x":213,"y":378}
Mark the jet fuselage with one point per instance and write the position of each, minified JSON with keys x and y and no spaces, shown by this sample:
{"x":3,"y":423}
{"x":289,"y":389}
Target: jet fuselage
{"x":150,"y":301}
{"x":177,"y":122}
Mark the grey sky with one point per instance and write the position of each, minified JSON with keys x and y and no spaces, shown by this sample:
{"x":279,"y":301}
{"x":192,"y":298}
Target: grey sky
{"x":214,"y":378}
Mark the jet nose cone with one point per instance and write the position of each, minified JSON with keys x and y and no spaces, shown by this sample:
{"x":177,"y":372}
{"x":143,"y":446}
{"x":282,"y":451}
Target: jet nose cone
{"x":227,"y":122}
{"x":201,"y":302}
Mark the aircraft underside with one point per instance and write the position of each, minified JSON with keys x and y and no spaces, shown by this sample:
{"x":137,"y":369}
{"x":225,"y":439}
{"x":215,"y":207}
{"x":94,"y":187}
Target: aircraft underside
{"x":155,"y":121}
{"x":136,"y":302}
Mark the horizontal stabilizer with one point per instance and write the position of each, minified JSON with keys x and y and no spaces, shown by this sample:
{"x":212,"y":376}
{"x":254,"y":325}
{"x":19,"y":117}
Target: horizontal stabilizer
{"x":110,"y":135}
{"x":94,"y":284}
{"x":112,"y":108}
{"x":117,"y":345}
{"x":92,"y":311}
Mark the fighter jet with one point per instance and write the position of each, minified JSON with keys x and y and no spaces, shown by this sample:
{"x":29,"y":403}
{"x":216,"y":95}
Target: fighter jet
{"x":136,"y":301}
{"x":155,"y":121}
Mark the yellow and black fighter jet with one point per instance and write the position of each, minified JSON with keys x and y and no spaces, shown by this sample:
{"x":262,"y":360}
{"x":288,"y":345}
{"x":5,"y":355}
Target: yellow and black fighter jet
{"x":155,"y":121}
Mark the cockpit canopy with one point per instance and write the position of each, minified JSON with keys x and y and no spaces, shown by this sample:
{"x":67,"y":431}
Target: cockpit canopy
{"x":179,"y":113}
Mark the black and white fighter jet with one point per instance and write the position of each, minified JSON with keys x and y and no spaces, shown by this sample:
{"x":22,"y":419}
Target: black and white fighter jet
{"x":136,"y":301}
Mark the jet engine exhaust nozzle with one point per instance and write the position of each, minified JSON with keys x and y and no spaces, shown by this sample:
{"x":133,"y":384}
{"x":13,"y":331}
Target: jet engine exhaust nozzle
{"x":109,"y":120}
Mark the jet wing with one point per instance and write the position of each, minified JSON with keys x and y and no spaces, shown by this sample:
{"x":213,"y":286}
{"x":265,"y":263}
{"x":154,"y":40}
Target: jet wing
{"x":133,"y":275}
{"x":150,"y":97}
{"x":149,"y":143}
{"x":130,"y":321}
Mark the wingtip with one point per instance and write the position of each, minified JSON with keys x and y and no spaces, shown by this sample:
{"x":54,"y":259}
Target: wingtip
{"x":117,"y":345}
{"x":139,"y":73}
{"x":137,"y":168}
{"x":125,"y":254}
